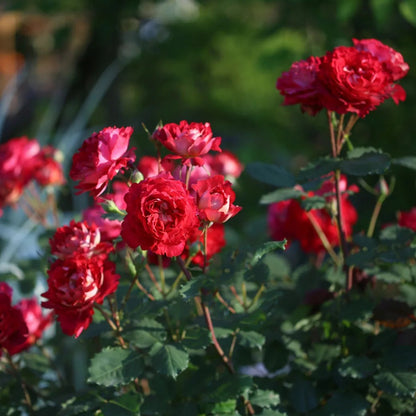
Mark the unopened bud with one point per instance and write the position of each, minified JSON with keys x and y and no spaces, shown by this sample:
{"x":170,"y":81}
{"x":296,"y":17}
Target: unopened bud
{"x":383,"y":187}
{"x":136,"y":177}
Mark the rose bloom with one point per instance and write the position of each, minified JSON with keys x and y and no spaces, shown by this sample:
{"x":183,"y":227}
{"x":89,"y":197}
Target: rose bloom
{"x":48,"y":169}
{"x":287,"y":219}
{"x":74,"y":285}
{"x":215,"y":243}
{"x":151,"y":166}
{"x":300,"y":85}
{"x":109,"y":229}
{"x":79,"y":238}
{"x":36,"y":322}
{"x":18,"y":164}
{"x":355,"y":80}
{"x":407,"y":219}
{"x":226,"y":164}
{"x":160,"y":215}
{"x":391,"y":60}
{"x":188,"y":140}
{"x":215,"y":199}
{"x":100,"y":158}
{"x":13,"y":328}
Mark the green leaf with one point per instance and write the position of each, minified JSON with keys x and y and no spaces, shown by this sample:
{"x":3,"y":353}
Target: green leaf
{"x":398,"y":383}
{"x":370,"y":163}
{"x":169,"y":359}
{"x":271,"y":174}
{"x":397,"y":234}
{"x":408,"y":10}
{"x":251,"y":339}
{"x":316,"y":170}
{"x":406,"y":161}
{"x":196,"y":338}
{"x":324,"y":352}
{"x":356,"y":367}
{"x":229,"y":387}
{"x":281,"y":195}
{"x":344,"y":404}
{"x":303,"y":396}
{"x":125,"y":405}
{"x":313,"y":202}
{"x":400,"y":358}
{"x":267,"y":248}
{"x":192,"y":288}
{"x":146,"y":333}
{"x":115,"y":366}
{"x":264,"y":398}
{"x":226,"y":407}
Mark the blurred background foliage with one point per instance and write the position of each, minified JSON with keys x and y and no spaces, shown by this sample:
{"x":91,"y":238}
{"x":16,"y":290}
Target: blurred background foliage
{"x":86,"y":64}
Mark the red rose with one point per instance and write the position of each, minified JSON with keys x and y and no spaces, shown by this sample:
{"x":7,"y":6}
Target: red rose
{"x":287,"y":219}
{"x":391,"y":60}
{"x":48,"y":169}
{"x":160,"y":215}
{"x":35,"y":321}
{"x":226,"y":164}
{"x":188,"y":140}
{"x":100,"y":158}
{"x":300,"y":85}
{"x":355,"y":81}
{"x":215,"y":242}
{"x":150,"y":166}
{"x":109,"y":229}
{"x":13,"y":328}
{"x":17,"y":166}
{"x":215,"y":199}
{"x":78,"y":238}
{"x":74,"y":285}
{"x":407,"y":219}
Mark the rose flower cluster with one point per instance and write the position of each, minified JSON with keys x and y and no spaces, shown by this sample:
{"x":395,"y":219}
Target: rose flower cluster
{"x":353,"y":79}
{"x":167,"y":205}
{"x":23,"y":161}
{"x":21,"y":325}
{"x":288,"y":219}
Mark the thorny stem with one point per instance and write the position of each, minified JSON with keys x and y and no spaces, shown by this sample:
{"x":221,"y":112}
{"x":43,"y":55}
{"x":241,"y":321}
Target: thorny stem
{"x":205,"y":248}
{"x":236,"y":295}
{"x":257,"y":296}
{"x":162,"y":275}
{"x":179,"y":277}
{"x":340,"y":134}
{"x":114,"y":327}
{"x":375,"y":215}
{"x":144,"y":290}
{"x":224,"y":302}
{"x":188,"y":176}
{"x":17,"y":374}
{"x":153,"y":278}
{"x":332,"y":134}
{"x":127,"y":295}
{"x":323,"y":238}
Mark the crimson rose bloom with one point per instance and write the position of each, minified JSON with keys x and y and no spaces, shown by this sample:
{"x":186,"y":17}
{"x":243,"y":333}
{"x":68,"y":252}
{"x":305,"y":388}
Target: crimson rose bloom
{"x":226,"y":164}
{"x":188,"y":141}
{"x":160,"y":215}
{"x":74,"y":285}
{"x":287,"y":219}
{"x":100,"y":158}
{"x":215,"y":199}
{"x":355,"y":80}
{"x":391,"y":60}
{"x":300,"y":85}
{"x":407,"y":219}
{"x":78,"y":238}
{"x":13,"y":328}
{"x":35,"y":321}
{"x":17,"y":166}
{"x":48,"y":170}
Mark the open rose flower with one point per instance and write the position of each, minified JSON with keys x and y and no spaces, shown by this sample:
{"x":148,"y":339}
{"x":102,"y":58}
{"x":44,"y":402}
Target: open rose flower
{"x":160,"y":215}
{"x":355,"y":81}
{"x":215,"y":199}
{"x":36,"y":322}
{"x":78,"y":238}
{"x":100,"y":158}
{"x":407,"y":219}
{"x":391,"y":60}
{"x":109,"y":229}
{"x":300,"y":85}
{"x":13,"y":328}
{"x":188,"y":140}
{"x":288,"y":219}
{"x":48,"y":168}
{"x":226,"y":164}
{"x":74,"y":285}
{"x":18,"y":163}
